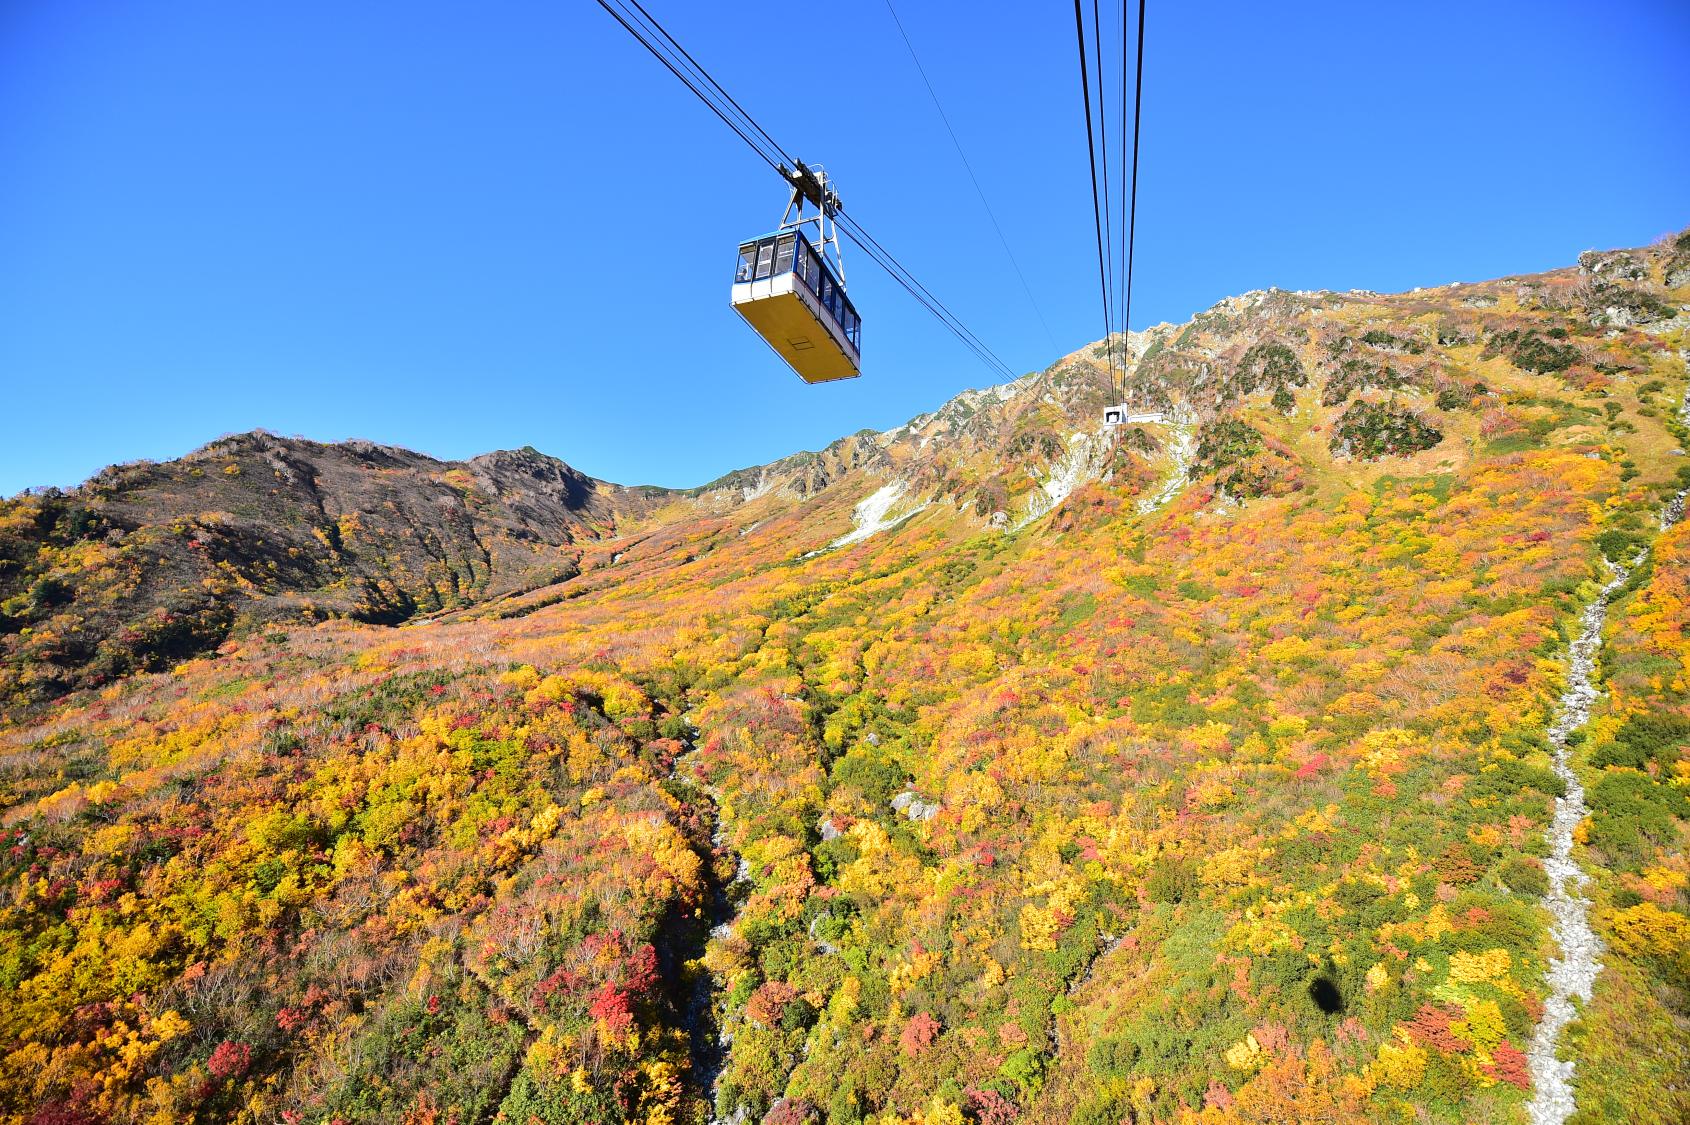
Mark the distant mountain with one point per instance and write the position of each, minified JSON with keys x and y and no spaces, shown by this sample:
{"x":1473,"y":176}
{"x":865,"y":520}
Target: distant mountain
{"x":147,"y":564}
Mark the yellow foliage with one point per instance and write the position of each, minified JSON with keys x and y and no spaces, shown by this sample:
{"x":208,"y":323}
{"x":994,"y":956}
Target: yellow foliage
{"x":974,"y":660}
{"x":1401,"y":1064}
{"x":1664,"y":880}
{"x":1377,"y":977}
{"x":1232,"y":866}
{"x":1645,"y":930}
{"x":1211,"y":736}
{"x":1246,"y":1055}
{"x":1482,"y":1026}
{"x":1213,"y":793}
{"x":1039,"y":928}
{"x":1381,"y":749}
{"x":1288,"y":650}
{"x":1479,"y":968}
{"x":524,"y":678}
{"x":1262,"y":935}
{"x":667,"y":848}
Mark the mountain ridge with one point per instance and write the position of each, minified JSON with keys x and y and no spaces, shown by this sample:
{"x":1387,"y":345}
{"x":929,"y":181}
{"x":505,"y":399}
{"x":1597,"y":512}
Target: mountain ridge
{"x":383,"y":534}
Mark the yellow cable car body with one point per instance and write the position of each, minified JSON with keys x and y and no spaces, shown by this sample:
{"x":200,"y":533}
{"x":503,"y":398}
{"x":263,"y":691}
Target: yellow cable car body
{"x":787,"y":292}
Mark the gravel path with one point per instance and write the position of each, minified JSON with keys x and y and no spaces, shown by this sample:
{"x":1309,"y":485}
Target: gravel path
{"x":1573,"y":973}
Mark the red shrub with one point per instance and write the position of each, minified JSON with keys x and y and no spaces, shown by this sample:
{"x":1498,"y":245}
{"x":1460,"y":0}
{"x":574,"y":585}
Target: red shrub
{"x":768,"y":1004}
{"x":1430,"y":1028}
{"x":231,"y":1059}
{"x":1509,"y":1065}
{"x":988,"y":1107}
{"x":1312,"y":767}
{"x":918,"y":1034}
{"x":791,"y":1111}
{"x":612,"y":1009}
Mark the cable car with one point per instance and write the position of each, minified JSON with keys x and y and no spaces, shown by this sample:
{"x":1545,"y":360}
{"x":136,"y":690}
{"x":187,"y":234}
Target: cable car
{"x":790,"y":292}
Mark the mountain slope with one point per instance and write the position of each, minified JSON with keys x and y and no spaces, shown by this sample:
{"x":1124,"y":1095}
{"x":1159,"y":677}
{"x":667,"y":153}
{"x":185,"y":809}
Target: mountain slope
{"x":148,"y":564}
{"x":985,"y":769}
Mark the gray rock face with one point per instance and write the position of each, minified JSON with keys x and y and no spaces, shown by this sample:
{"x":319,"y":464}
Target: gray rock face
{"x":1614,"y":265}
{"x":914,"y":807}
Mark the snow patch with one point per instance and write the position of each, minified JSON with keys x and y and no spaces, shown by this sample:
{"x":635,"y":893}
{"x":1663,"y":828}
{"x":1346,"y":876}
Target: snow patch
{"x":876,"y":514}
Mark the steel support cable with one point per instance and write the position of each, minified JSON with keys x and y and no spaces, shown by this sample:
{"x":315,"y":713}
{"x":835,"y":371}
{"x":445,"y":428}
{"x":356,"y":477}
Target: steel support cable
{"x":1132,"y":217}
{"x":1121,"y":228}
{"x":963,"y":156}
{"x":697,"y":84}
{"x":1108,"y":208}
{"x":705,"y":74}
{"x":899,"y":273}
{"x":1091,"y":152}
{"x":689,"y":83}
{"x":904,"y":277}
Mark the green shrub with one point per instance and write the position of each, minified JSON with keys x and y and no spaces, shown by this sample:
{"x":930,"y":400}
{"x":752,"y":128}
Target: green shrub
{"x":1223,"y":442}
{"x":1632,"y":814}
{"x":874,"y":774}
{"x":1645,"y":739}
{"x":1621,"y":546}
{"x":1172,"y":880}
{"x":1368,"y":431}
{"x":1528,"y":351}
{"x":1524,"y":876}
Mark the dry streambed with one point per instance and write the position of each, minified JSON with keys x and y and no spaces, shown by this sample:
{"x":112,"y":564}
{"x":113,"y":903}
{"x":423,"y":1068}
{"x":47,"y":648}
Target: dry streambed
{"x":1574,"y":972}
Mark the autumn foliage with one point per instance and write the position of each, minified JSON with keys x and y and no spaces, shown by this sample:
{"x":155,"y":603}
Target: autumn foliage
{"x":1227,"y":810}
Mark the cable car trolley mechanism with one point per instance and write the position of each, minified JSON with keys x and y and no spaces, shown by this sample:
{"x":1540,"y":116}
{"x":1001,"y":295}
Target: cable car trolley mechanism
{"x":791,"y":292}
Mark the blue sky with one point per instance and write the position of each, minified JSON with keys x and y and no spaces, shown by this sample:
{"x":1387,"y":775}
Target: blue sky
{"x":463,"y":227}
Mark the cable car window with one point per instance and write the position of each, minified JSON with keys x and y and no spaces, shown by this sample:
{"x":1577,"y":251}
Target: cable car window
{"x":812,"y":269}
{"x":783,"y":254}
{"x":747,"y":262}
{"x":825,"y":290}
{"x":765,"y":259}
